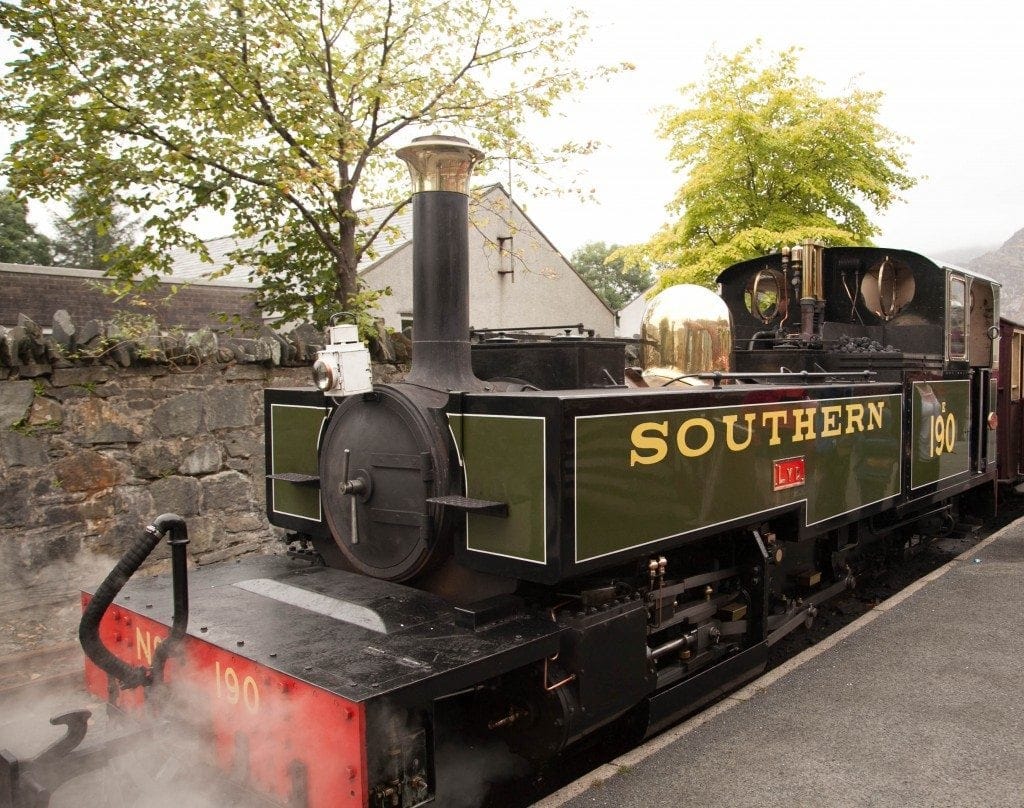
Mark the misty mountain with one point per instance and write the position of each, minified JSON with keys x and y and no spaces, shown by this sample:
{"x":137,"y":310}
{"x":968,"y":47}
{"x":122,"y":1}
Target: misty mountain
{"x":1006,"y":265}
{"x":961,"y":256}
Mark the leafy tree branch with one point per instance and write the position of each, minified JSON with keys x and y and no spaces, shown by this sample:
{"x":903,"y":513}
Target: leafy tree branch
{"x":769,"y":160}
{"x":284,"y":115}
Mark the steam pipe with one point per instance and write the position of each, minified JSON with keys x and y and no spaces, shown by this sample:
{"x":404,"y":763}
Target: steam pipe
{"x":812,"y":301}
{"x":760,"y":336}
{"x":179,"y":584}
{"x":785,"y":280}
{"x":131,"y":676}
{"x":580,"y":328}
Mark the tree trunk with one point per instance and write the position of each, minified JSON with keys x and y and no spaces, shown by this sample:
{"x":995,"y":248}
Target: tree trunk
{"x":345,"y":258}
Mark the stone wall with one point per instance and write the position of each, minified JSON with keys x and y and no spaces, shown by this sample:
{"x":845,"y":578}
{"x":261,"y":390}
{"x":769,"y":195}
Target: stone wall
{"x":91,"y":449}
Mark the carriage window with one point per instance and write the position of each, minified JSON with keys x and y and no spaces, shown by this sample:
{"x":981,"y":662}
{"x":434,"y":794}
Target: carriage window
{"x":1015,"y":360}
{"x":956,"y":320}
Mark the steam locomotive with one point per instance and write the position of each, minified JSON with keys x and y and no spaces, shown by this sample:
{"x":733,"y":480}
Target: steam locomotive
{"x":526,"y":542}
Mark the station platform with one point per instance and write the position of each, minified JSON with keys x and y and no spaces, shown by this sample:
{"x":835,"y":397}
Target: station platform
{"x":920,"y":702}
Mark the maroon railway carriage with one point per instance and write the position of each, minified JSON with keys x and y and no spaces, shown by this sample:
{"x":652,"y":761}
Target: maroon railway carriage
{"x":1011,"y":402}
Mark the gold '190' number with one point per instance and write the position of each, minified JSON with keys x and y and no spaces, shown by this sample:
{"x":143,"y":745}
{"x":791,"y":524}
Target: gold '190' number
{"x":943,"y":434}
{"x":229,"y":688}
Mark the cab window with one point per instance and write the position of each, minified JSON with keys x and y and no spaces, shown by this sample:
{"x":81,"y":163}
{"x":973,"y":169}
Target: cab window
{"x":956,"y":319}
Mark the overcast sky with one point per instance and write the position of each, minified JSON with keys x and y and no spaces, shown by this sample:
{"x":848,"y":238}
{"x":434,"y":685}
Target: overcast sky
{"x":951,"y":74}
{"x":952,"y":79}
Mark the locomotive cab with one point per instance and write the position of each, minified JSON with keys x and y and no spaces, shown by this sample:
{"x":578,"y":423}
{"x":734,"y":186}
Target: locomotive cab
{"x":912,"y":311}
{"x":893,"y":312}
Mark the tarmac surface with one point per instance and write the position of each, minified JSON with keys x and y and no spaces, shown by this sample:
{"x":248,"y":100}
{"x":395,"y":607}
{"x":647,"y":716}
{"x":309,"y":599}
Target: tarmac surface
{"x":920,"y":702}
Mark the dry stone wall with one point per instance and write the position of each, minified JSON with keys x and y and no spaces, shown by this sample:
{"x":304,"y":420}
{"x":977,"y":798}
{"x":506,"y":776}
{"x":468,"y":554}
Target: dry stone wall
{"x":91,"y":449}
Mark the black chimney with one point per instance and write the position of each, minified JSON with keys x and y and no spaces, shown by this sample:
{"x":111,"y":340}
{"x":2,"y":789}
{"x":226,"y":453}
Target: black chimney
{"x":441,"y":168}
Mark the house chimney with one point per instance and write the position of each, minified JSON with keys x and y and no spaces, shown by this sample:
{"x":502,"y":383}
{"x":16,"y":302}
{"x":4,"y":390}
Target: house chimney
{"x":441,"y":168}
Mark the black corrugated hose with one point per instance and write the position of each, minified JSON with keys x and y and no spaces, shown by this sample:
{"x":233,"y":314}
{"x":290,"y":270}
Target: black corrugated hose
{"x":131,"y":676}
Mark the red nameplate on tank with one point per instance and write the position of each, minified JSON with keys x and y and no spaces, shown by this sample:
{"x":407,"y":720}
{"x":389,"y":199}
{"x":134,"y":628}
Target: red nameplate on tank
{"x":788,"y":473}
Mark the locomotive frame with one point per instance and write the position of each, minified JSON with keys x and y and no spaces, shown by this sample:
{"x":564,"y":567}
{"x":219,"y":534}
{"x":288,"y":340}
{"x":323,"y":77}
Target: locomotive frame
{"x":480,"y":544}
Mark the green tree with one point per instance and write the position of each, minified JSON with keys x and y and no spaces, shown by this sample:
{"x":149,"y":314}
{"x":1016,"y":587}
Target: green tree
{"x":603,"y":268}
{"x":92,"y":235}
{"x":19,"y":241}
{"x":284,"y":114}
{"x":769,"y":161}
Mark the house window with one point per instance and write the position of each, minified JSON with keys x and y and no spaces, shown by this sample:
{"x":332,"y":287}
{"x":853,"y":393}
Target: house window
{"x":405,"y":318}
{"x":505,"y":266}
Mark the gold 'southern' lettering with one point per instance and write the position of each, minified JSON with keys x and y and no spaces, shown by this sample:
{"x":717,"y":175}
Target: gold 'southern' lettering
{"x":854,"y":415}
{"x":730,"y":431}
{"x":803,"y":424}
{"x":830,"y":424}
{"x":875,"y":414}
{"x":696,"y":436}
{"x":695,"y":423}
{"x":774,"y":417}
{"x":644,"y":441}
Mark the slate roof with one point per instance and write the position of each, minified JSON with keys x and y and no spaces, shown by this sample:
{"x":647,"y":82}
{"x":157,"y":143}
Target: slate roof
{"x":187,"y":265}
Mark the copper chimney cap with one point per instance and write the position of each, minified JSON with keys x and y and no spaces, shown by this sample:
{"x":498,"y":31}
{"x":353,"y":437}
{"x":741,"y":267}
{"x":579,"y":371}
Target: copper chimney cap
{"x":440,"y":163}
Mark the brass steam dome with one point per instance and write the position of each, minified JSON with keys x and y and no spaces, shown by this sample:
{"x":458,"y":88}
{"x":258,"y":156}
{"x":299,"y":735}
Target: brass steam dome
{"x":685,"y":330}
